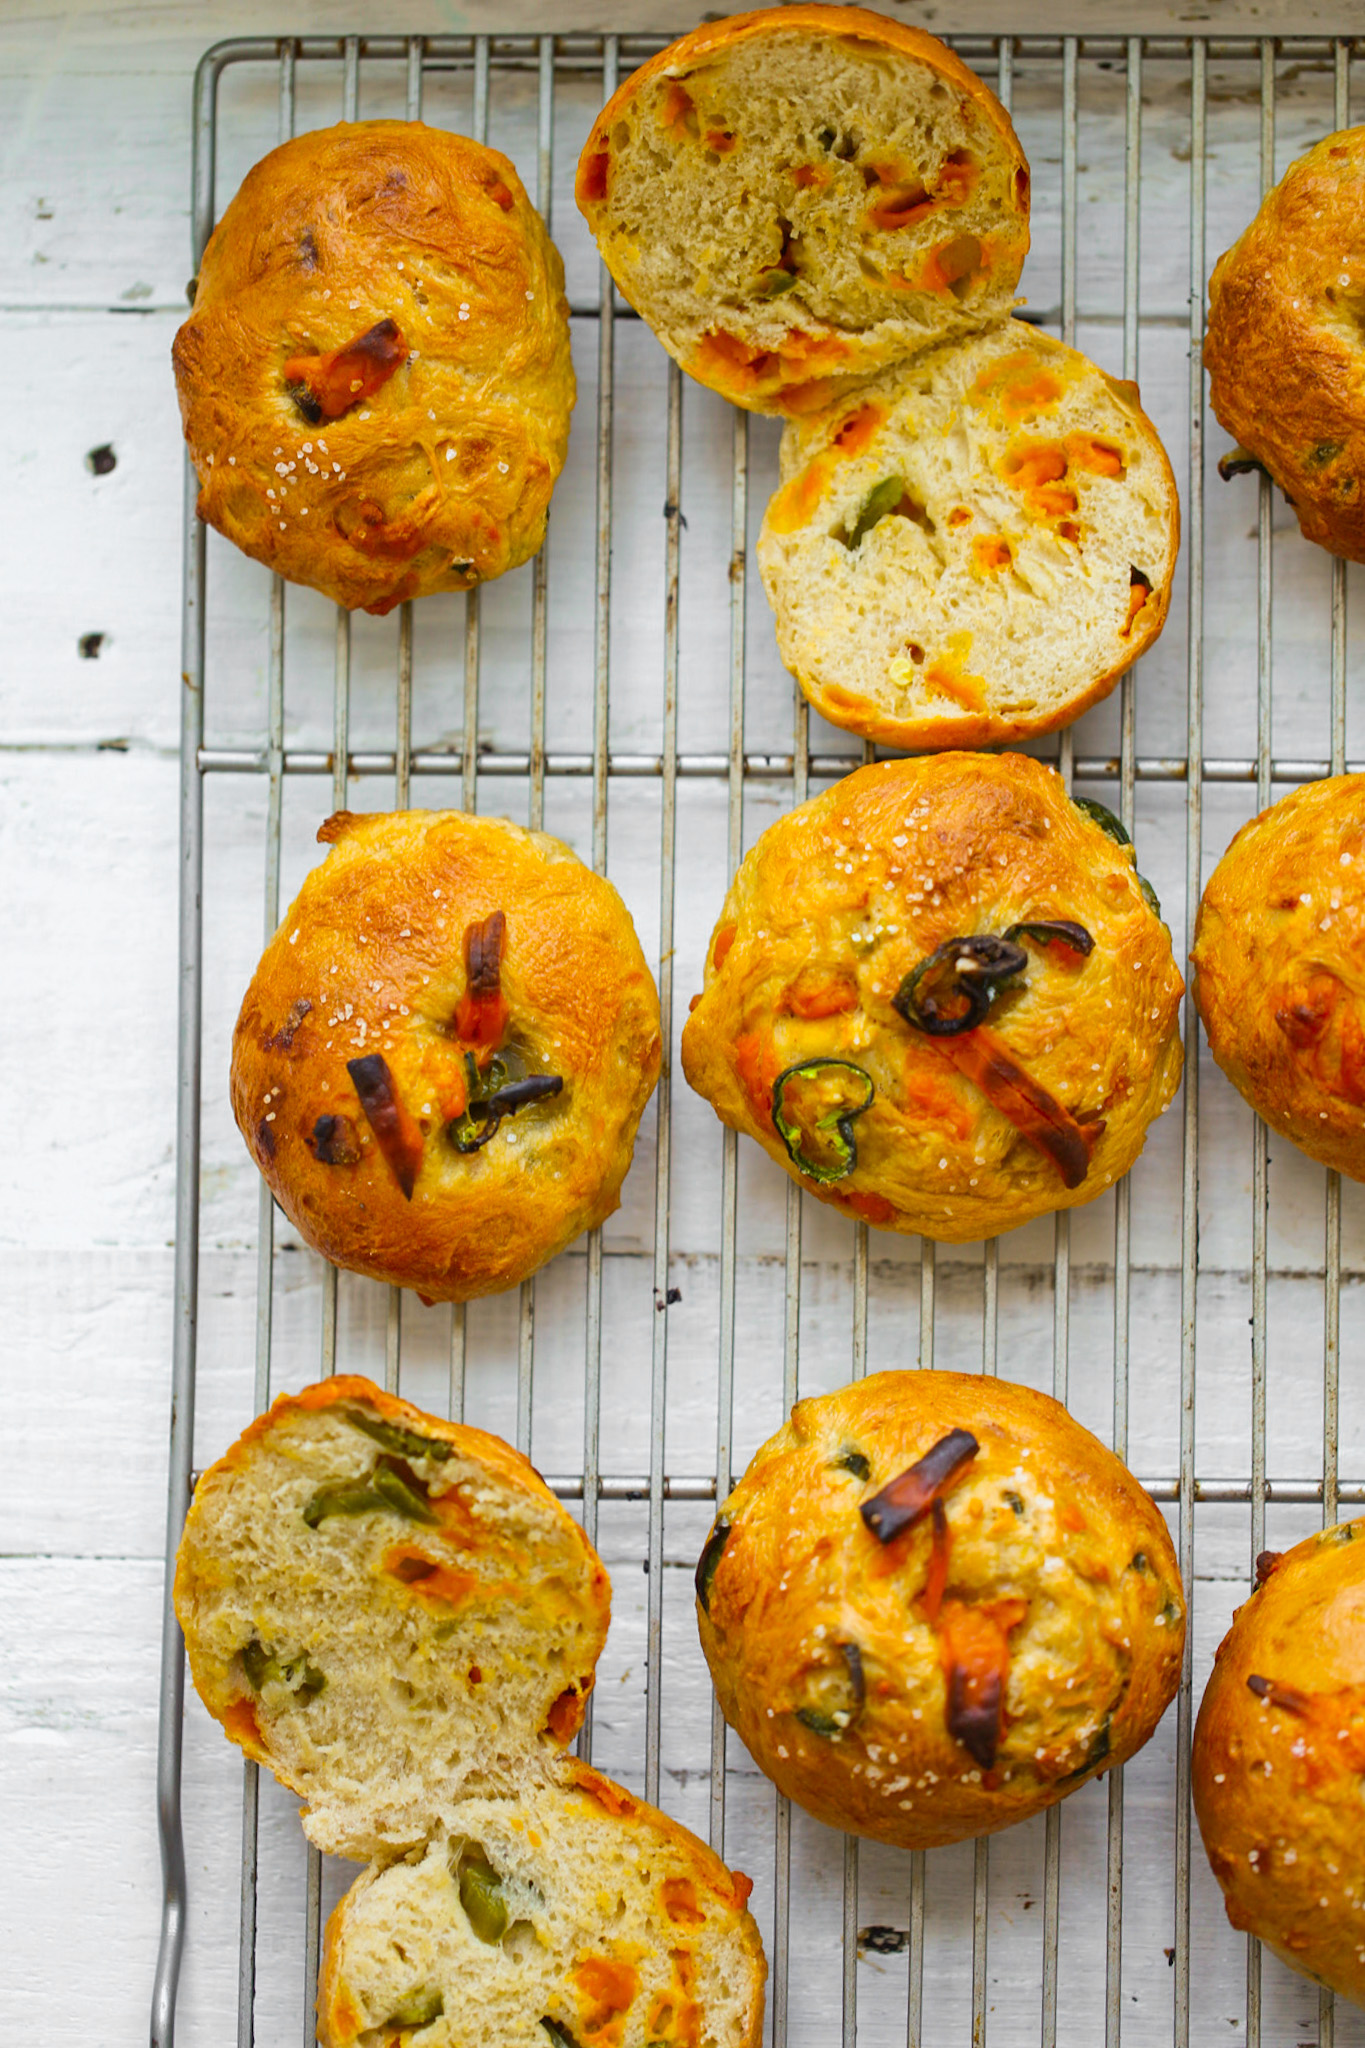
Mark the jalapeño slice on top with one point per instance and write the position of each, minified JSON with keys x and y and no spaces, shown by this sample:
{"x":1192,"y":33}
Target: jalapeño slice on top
{"x":814,"y":1104}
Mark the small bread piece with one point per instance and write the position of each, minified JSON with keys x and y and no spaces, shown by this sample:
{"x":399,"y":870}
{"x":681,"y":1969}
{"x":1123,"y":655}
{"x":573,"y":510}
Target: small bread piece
{"x":934,"y":1605}
{"x":387,"y":1609}
{"x":974,"y":547}
{"x":1285,"y":350}
{"x":578,"y":1915}
{"x":443,"y":1055}
{"x":939,"y":996}
{"x":375,"y":381}
{"x":793,"y":199}
{"x":1279,"y":968}
{"x":1279,"y":1756}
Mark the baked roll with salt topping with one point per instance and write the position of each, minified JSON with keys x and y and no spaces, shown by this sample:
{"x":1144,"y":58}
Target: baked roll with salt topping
{"x":1279,"y":1757}
{"x":941,"y":996}
{"x":974,"y":547}
{"x":443,"y":1056}
{"x":794,"y":198}
{"x":1277,"y":957}
{"x":1284,"y":349}
{"x":375,"y":382}
{"x":934,"y":1605}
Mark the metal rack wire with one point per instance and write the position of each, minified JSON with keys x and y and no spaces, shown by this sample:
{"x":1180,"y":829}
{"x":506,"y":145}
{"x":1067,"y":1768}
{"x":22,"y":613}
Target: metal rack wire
{"x":552,"y":63}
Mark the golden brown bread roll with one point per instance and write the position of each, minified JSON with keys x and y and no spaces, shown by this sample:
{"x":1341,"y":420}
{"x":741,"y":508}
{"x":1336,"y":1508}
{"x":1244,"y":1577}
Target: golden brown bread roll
{"x":937,"y":996}
{"x":443,"y":1055}
{"x":934,"y":1604}
{"x":1285,"y":351}
{"x":1279,"y":1758}
{"x":796,"y":197}
{"x":375,"y":381}
{"x":1279,"y":961}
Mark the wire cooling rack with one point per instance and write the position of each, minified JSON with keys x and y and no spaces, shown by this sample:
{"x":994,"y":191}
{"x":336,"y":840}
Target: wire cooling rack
{"x":627,"y":682}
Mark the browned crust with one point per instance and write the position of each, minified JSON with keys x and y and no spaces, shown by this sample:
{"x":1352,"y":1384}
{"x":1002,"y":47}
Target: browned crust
{"x":1284,"y":349}
{"x":852,"y":23}
{"x":1277,"y":960}
{"x":391,"y":905}
{"x":334,"y":232}
{"x":1000,"y":841}
{"x":798,"y":1538}
{"x":1277,"y":1774}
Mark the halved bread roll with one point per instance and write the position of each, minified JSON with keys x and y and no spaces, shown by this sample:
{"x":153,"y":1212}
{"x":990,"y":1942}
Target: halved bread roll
{"x":973,"y":547}
{"x":795,"y":198}
{"x":577,"y":1916}
{"x":395,"y":1614}
{"x":387,"y":1609}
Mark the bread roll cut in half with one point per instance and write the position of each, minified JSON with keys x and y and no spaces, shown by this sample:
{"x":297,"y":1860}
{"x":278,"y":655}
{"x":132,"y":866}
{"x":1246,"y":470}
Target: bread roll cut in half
{"x":941,"y":997}
{"x":1279,"y":963}
{"x":375,"y":382}
{"x":577,"y":1916}
{"x":974,"y":547}
{"x":934,"y":1605}
{"x":794,"y":198}
{"x":395,"y":1615}
{"x":442,"y":1058}
{"x":389,"y":1610}
{"x":1279,"y":1759}
{"x":1285,"y":348}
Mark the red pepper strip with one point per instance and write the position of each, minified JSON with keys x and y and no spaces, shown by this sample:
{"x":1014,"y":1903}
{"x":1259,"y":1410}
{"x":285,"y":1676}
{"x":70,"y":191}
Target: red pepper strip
{"x":974,"y":1647}
{"x":900,"y":1504}
{"x":481,"y":1017}
{"x":988,"y":1064}
{"x":398,"y":1134}
{"x":935,"y":1585}
{"x":355,"y":371}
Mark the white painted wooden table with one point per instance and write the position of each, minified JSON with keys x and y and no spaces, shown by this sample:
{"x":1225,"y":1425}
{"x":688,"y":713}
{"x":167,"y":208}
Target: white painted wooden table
{"x":94,"y":145}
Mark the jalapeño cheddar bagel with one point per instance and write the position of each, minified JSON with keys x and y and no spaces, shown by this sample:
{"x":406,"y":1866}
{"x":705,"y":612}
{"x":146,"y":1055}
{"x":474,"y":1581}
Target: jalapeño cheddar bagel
{"x":395,"y":1615}
{"x":934,"y":1604}
{"x":375,"y":381}
{"x":972,"y":548}
{"x":795,"y":198}
{"x":1279,"y":1756}
{"x":442,"y":1058}
{"x":1279,"y":961}
{"x":939,"y":996}
{"x":1285,"y":349}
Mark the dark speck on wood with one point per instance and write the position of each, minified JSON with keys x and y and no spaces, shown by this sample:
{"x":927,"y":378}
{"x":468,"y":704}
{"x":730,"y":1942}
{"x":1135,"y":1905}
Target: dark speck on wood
{"x":89,"y":645}
{"x":101,"y":460}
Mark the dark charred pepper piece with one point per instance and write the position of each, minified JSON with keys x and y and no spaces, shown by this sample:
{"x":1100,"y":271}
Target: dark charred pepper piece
{"x":397,"y":1133}
{"x":557,"y":2031}
{"x":334,"y":382}
{"x":481,"y":1015}
{"x":1276,"y":1695}
{"x":904,"y":1500}
{"x":1039,"y":1116}
{"x":484,"y":1111}
{"x":854,"y":1462}
{"x":953,"y":989}
{"x":707,"y":1562}
{"x":335,"y":1141}
{"x":1058,"y":931}
{"x":835,"y":1126}
{"x":973,"y":1716}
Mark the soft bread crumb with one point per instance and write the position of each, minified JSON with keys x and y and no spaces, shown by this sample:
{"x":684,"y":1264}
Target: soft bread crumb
{"x":974,"y":547}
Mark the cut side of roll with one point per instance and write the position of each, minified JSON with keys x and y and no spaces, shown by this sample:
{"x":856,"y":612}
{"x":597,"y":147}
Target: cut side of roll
{"x":972,"y":548}
{"x":387,"y":1610}
{"x":576,"y":1916}
{"x":795,"y":198}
